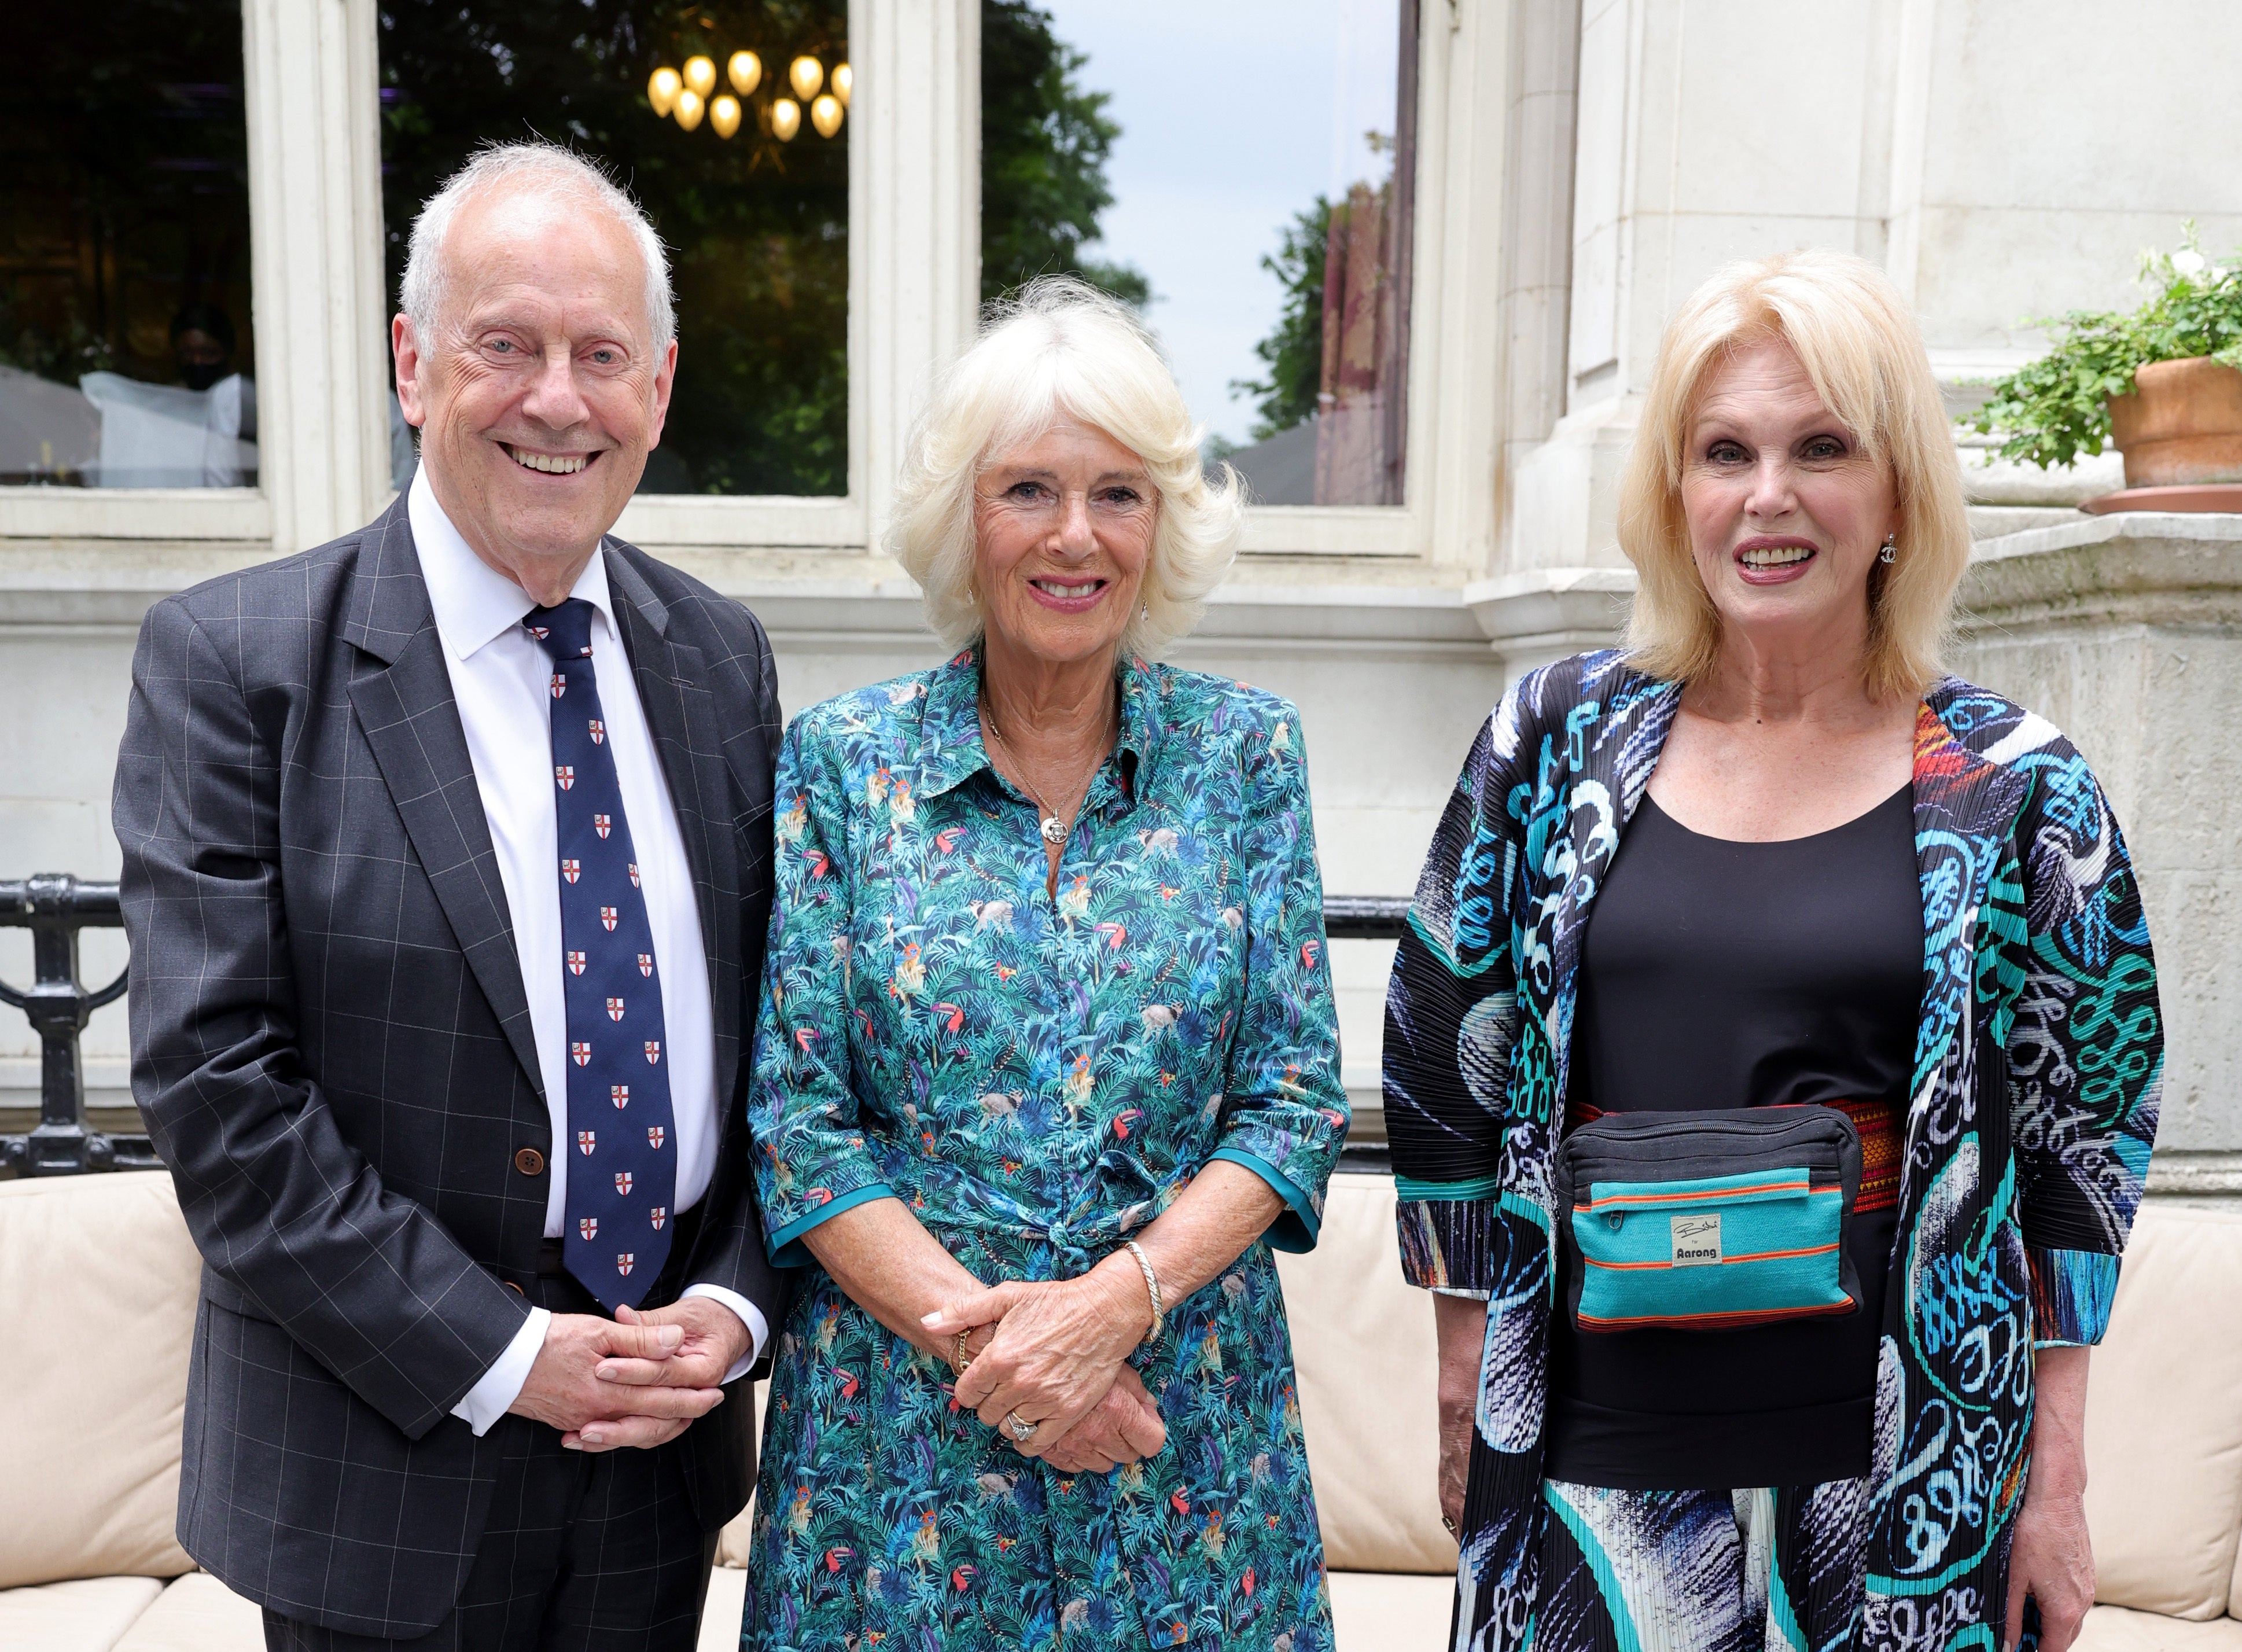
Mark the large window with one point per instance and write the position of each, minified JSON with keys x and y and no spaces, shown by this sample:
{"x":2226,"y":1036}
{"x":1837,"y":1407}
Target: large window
{"x":1288,"y":188}
{"x":1244,"y":172}
{"x":727,"y":120}
{"x":126,"y":359}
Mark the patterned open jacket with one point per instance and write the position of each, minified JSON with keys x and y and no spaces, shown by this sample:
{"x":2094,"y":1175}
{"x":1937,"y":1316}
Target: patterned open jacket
{"x":2032,"y":1110}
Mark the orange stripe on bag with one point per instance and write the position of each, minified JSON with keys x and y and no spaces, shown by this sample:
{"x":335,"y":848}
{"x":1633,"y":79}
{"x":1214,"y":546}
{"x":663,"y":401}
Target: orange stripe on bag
{"x":1619,"y":1201}
{"x":1726,"y":1261}
{"x":1722,"y":1322}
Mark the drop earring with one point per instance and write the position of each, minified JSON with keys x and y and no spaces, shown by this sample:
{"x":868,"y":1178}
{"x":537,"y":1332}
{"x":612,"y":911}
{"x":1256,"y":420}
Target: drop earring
{"x":1891,"y":552}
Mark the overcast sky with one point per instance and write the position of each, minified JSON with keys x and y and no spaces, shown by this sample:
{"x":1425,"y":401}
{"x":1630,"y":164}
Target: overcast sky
{"x":1234,"y":115}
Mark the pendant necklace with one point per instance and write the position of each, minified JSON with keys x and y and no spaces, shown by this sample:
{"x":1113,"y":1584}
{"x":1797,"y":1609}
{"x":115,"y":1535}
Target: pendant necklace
{"x":1055,"y":830}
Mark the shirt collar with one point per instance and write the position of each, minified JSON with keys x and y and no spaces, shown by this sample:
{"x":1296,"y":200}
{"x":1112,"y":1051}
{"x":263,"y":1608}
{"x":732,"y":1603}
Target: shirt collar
{"x":950,"y":750}
{"x":473,"y":601}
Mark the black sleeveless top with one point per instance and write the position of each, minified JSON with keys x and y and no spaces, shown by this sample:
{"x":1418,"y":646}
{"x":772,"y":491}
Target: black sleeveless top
{"x":1722,"y":974}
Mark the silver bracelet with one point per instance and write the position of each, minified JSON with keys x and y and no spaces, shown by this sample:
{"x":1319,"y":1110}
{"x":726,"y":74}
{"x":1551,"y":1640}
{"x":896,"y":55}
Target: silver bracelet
{"x":1152,"y":1285}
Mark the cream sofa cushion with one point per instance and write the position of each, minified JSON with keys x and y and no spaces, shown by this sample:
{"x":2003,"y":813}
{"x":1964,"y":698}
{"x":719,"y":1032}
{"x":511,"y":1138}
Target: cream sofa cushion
{"x":737,"y":1538}
{"x":2112,"y":1628}
{"x":726,"y":1603}
{"x":2164,"y":1423}
{"x":1390,"y":1612}
{"x":1362,"y":1340}
{"x":88,"y":1614}
{"x":198,"y":1614}
{"x":92,"y":1487}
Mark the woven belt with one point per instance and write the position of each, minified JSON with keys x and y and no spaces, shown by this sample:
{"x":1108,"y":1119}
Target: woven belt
{"x":1877,"y":1122}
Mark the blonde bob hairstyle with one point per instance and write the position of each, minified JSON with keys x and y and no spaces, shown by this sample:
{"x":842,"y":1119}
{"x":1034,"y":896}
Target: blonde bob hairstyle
{"x":1060,"y":348}
{"x":1859,"y":345}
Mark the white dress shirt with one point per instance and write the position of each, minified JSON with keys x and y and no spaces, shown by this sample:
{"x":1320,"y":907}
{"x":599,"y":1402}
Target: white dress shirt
{"x":500,"y":677}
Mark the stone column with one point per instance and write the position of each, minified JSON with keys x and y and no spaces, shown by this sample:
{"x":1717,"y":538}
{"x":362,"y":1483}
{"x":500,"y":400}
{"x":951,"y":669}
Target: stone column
{"x":2126,"y":632}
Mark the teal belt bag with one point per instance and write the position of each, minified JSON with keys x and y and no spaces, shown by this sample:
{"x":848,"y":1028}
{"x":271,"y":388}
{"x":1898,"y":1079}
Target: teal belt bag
{"x":1709,"y":1221}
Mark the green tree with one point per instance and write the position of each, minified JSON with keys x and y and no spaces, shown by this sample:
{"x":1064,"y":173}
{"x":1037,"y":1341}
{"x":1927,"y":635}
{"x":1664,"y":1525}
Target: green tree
{"x":1044,"y":143}
{"x":1294,"y":351}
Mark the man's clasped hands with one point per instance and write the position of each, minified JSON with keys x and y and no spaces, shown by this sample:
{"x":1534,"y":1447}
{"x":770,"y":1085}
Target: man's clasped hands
{"x":637,"y":1380}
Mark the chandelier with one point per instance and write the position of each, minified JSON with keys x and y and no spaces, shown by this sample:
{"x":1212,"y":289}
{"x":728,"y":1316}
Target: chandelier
{"x":684,"y":95}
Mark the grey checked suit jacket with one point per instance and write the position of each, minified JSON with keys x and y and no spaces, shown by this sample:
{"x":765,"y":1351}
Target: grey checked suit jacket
{"x":332,"y":1050}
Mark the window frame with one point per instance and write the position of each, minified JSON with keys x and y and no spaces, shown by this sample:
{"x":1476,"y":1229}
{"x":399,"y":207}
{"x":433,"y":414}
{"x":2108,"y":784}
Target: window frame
{"x":321,"y":311}
{"x":1447,"y":518}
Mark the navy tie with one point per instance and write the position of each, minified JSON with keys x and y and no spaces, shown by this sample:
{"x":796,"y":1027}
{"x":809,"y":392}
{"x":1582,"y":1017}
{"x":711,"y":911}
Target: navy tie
{"x":622,"y":1182}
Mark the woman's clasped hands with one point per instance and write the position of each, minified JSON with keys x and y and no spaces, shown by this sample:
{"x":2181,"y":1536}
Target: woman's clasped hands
{"x":1050,"y":1360}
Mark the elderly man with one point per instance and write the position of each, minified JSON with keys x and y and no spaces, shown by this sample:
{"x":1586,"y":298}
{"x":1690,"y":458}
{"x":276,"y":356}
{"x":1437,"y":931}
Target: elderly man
{"x":447,"y":870}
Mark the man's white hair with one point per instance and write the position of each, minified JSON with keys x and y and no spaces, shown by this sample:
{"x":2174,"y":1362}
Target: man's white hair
{"x":557,"y":171}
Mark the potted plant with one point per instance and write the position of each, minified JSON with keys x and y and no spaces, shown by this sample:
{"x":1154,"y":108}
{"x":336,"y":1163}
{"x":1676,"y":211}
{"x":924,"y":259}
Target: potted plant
{"x":2163,"y":382}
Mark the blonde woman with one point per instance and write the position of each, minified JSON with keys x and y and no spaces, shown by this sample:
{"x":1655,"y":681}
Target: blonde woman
{"x":1775,"y":1056}
{"x":1048,"y":1061}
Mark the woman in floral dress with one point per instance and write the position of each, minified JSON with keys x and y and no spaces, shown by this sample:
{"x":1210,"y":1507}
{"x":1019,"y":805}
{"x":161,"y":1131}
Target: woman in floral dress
{"x":1049,"y":1062}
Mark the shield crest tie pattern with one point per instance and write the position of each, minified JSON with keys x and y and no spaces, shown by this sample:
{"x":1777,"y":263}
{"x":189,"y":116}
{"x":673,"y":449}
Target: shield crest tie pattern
{"x":624,"y":1184}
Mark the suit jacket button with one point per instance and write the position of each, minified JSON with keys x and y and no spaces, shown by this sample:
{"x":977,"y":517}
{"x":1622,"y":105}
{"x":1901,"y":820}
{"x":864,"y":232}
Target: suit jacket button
{"x":511,"y":1286}
{"x":529,"y":1162}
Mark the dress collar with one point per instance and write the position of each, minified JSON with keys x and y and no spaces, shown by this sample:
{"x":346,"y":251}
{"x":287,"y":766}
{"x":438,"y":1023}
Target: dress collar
{"x":474,"y":603}
{"x":950,"y":750}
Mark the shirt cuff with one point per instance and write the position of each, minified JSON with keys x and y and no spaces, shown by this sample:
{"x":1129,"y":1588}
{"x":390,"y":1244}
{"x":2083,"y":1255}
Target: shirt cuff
{"x":501,"y":1386}
{"x":748,"y":1315}
{"x":785,"y":1243}
{"x":1296,"y":1225}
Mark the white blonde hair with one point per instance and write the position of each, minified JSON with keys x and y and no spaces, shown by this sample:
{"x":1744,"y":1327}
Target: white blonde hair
{"x":1060,"y":348}
{"x":426,"y":285}
{"x":1855,"y":336}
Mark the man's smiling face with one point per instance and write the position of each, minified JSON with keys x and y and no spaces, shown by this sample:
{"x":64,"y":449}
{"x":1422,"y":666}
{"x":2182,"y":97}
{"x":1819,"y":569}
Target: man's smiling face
{"x":543,"y":389}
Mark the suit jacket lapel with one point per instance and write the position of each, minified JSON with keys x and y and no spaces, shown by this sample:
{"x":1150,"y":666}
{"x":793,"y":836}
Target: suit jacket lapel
{"x":402,"y":692}
{"x":670,"y":675}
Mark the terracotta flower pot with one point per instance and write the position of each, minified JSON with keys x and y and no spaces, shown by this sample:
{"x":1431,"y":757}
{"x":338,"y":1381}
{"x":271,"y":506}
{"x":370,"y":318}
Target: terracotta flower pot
{"x":2183,"y":424}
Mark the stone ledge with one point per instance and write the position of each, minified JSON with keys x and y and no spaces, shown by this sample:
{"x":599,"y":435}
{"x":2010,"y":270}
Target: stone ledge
{"x":2144,"y":566}
{"x":2195,"y":1172}
{"x":1546,"y":614}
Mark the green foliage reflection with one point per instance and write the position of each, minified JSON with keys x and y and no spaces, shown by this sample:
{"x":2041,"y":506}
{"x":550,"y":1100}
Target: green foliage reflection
{"x":1044,"y":143}
{"x":758,"y":230}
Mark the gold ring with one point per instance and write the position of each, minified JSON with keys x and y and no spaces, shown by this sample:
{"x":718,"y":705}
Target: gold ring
{"x":1020,"y":1430}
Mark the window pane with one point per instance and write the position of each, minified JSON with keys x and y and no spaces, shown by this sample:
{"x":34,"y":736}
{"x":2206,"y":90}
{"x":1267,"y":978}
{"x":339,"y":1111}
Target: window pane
{"x":1244,"y":172}
{"x":125,"y":354}
{"x":747,"y":180}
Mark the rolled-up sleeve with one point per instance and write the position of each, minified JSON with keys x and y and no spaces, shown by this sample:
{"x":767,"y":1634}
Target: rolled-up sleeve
{"x":1286,"y":1111}
{"x":812,"y":1161}
{"x":2085,"y":1053}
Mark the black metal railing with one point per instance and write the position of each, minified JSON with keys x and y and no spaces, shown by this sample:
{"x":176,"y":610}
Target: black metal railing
{"x":55,"y":906}
{"x":1366,"y":917}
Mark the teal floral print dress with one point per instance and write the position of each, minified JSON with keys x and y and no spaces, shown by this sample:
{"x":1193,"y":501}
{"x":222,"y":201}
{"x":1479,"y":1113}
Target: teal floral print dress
{"x":1037,"y":1076}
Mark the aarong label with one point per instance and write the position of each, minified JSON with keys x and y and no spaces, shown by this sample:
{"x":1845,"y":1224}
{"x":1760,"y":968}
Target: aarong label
{"x":1696,"y":1241}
